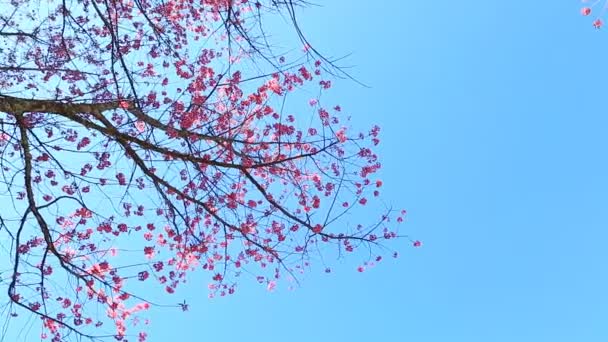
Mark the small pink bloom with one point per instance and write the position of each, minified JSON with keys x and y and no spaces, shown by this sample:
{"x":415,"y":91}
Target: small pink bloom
{"x":149,"y":252}
{"x":417,"y":243}
{"x":341,"y":134}
{"x":317,"y":229}
{"x":360,"y":269}
{"x":141,"y":126}
{"x":124,"y":104}
{"x":585,"y":11}
{"x":274,"y":85}
{"x":598,"y":23}
{"x":272,"y":285}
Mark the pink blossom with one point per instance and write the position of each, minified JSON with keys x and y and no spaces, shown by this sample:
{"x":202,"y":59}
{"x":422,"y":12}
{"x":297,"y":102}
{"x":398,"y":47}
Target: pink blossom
{"x":341,"y":134}
{"x":274,"y":85}
{"x":585,"y":11}
{"x":271,"y":285}
{"x":598,"y":23}
{"x":141,"y":126}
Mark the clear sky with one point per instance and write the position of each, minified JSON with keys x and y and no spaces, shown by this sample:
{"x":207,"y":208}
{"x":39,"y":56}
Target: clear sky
{"x":494,"y":139}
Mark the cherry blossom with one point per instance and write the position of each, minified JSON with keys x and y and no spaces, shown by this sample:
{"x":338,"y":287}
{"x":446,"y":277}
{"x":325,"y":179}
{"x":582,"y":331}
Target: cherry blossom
{"x":141,"y":126}
{"x":585,"y":11}
{"x":597,"y":23}
{"x":271,"y":285}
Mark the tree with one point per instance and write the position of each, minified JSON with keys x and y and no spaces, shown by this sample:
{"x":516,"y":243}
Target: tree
{"x":144,"y":139}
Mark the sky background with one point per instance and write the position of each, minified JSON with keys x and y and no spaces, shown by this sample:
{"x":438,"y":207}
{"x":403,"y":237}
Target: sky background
{"x":494,"y":141}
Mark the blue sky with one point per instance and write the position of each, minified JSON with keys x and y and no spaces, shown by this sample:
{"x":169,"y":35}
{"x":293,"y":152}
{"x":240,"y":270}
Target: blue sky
{"x":494,"y":140}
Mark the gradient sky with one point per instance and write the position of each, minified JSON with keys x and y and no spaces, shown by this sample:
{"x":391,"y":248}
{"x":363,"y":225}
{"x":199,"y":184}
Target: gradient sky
{"x":494,"y":140}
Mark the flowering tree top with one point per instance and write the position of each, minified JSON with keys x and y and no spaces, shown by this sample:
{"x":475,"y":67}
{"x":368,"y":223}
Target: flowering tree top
{"x":144,"y":139}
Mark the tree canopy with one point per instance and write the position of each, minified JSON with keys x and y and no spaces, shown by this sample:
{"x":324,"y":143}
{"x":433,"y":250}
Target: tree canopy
{"x":143,"y":139}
